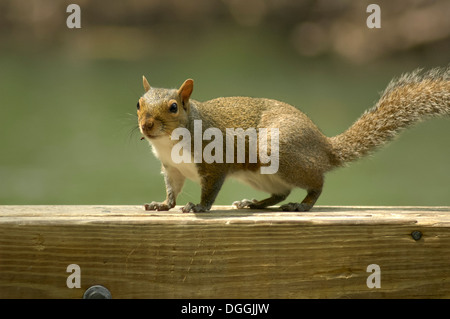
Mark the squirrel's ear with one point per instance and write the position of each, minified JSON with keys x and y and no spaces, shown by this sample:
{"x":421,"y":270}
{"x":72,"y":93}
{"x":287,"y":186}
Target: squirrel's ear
{"x":185,"y":90}
{"x":146,"y":85}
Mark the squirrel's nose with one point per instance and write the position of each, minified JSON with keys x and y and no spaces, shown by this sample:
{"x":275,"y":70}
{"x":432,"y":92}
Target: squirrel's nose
{"x":147,"y":125}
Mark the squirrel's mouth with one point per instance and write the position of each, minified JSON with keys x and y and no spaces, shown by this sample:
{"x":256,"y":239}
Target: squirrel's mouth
{"x":151,"y":136}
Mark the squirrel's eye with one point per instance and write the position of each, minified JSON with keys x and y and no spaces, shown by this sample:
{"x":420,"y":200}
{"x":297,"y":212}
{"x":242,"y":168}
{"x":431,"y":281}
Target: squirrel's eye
{"x":138,"y":106}
{"x":173,"y":108}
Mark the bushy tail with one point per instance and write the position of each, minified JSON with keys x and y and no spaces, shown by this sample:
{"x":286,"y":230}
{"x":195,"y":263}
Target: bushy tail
{"x":407,"y":100}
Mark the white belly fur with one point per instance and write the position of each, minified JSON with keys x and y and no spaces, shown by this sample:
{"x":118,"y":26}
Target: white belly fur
{"x":162,"y":148}
{"x":270,"y":183}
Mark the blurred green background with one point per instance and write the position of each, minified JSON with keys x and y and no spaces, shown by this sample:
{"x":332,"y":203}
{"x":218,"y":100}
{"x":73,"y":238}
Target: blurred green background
{"x":68,"y":96}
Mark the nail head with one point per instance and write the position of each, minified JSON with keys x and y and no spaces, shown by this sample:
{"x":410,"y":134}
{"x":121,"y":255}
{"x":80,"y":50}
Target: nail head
{"x":416,"y":235}
{"x":97,"y":292}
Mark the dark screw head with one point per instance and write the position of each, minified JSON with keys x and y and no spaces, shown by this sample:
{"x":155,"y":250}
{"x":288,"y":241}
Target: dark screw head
{"x":97,"y":292}
{"x":416,"y":235}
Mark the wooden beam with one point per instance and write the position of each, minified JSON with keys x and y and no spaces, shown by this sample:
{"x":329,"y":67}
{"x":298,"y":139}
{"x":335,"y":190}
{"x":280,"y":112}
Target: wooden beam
{"x":225,"y":253}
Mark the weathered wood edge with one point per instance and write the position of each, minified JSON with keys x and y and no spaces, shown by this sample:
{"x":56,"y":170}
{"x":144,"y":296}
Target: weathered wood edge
{"x":438,"y":216}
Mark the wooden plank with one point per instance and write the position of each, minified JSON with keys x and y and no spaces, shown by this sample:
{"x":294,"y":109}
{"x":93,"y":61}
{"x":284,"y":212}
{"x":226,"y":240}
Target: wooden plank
{"x":226,"y":253}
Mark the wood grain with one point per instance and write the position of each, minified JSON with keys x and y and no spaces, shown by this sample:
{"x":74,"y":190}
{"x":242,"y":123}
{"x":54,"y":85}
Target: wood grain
{"x":226,"y":253}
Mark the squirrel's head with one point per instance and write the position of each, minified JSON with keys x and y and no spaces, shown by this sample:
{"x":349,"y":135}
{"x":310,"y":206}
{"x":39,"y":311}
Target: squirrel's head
{"x":160,"y":111}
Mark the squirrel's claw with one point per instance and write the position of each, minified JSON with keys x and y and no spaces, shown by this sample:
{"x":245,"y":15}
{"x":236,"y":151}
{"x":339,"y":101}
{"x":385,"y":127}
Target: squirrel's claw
{"x":244,"y":203}
{"x":191,"y":207}
{"x":156,"y":206}
{"x":296,"y":207}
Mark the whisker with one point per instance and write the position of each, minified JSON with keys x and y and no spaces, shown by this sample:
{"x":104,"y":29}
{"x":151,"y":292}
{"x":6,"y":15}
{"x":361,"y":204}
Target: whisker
{"x":133,"y":132}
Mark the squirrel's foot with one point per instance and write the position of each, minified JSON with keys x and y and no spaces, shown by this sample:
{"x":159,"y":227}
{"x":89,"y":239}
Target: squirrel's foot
{"x":296,"y":207}
{"x":191,"y":207}
{"x":245,"y":203}
{"x":157,"y":206}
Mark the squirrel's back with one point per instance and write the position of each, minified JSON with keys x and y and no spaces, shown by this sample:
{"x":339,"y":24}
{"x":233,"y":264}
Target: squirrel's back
{"x":297,"y":133}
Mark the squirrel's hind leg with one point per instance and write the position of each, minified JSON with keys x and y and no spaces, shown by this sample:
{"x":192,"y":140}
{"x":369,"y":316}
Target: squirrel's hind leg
{"x":255,"y":204}
{"x":306,"y":204}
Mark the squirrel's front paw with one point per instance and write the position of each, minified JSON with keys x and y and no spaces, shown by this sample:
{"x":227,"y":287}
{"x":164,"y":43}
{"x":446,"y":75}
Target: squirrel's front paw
{"x":190,"y":207}
{"x":157,"y":206}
